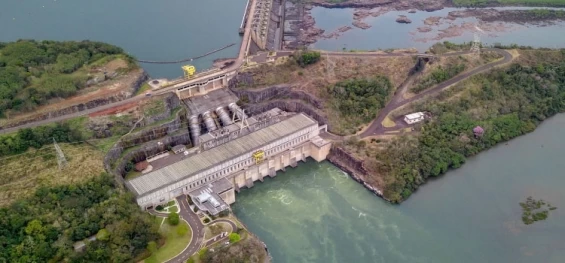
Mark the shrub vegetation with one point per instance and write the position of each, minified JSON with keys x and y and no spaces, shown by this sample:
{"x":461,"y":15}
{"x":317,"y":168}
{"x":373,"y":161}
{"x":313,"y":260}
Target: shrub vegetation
{"x":359,"y":100}
{"x":173,"y":219}
{"x":307,"y":57}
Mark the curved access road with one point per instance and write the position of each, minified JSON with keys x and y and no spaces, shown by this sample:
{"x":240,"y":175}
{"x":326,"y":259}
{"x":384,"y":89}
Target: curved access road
{"x":398,"y":101}
{"x":197,"y":231}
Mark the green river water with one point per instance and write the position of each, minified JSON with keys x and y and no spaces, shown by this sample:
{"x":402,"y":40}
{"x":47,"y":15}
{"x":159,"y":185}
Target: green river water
{"x":316,"y":213}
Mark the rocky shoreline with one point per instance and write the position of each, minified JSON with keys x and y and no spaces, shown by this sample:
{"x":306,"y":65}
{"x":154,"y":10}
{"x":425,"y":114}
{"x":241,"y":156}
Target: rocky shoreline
{"x":490,"y":20}
{"x":354,"y":168}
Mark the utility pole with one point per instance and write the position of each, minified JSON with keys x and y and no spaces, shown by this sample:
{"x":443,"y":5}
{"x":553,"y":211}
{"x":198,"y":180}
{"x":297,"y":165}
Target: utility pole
{"x":61,"y":160}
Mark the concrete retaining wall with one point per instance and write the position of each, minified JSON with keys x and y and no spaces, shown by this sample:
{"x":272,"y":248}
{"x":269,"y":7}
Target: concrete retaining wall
{"x":146,"y":142}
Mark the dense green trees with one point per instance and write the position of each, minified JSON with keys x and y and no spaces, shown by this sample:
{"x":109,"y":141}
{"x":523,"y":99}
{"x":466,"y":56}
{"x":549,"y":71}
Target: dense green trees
{"x":173,"y":219}
{"x":36,"y":138}
{"x":32,"y":72}
{"x":307,"y":57}
{"x":44,"y":227}
{"x":509,"y":103}
{"x":360,"y":99}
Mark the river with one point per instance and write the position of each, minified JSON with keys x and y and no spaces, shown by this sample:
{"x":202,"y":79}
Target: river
{"x":316,"y":213}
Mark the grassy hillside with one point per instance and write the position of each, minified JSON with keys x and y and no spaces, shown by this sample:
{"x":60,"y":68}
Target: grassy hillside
{"x":32,"y":72}
{"x":23,"y":174}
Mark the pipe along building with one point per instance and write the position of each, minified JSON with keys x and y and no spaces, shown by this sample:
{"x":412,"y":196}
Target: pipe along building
{"x":232,"y":157}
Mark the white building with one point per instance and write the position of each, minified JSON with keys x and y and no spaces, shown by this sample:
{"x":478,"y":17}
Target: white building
{"x":414,"y":117}
{"x":230,"y":166}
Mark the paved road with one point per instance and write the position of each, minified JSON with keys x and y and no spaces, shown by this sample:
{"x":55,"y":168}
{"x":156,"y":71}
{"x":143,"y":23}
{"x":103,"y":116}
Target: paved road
{"x":397,"y":101}
{"x":197,"y":231}
{"x":233,"y":227}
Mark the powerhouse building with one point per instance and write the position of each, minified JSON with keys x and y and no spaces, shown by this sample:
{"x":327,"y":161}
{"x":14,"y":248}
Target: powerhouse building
{"x":224,"y":164}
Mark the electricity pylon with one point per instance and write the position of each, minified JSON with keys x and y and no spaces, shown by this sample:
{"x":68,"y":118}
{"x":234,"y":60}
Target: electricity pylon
{"x":61,"y":160}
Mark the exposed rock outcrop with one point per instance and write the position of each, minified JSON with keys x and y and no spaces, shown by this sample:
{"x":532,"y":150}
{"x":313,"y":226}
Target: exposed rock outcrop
{"x":279,"y":96}
{"x":152,"y":141}
{"x":403,"y":20}
{"x":355,"y":168}
{"x":361,"y":25}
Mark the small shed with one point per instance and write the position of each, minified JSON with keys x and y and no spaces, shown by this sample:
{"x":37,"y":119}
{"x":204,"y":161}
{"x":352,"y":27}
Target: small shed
{"x":179,"y":148}
{"x":414,"y":117}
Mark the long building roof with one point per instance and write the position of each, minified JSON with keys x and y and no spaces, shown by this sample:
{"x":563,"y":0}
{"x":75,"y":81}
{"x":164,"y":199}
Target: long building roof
{"x":190,"y":166}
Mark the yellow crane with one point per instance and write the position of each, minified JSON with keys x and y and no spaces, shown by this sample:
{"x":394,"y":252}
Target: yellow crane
{"x":189,"y":71}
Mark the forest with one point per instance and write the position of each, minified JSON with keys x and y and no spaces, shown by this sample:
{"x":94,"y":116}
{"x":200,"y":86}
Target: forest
{"x":359,"y":100}
{"x":32,"y":72}
{"x":37,"y":137}
{"x":43,"y":228}
{"x":505,"y":103}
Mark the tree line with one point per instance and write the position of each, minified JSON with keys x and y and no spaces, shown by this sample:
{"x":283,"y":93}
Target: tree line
{"x":22,"y":140}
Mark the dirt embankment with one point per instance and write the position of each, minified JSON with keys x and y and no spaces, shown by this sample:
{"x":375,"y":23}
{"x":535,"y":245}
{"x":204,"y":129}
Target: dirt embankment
{"x":121,"y":88}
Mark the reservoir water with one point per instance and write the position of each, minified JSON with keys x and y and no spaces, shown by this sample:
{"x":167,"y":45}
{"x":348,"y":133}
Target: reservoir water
{"x":147,"y":29}
{"x":316,"y":213}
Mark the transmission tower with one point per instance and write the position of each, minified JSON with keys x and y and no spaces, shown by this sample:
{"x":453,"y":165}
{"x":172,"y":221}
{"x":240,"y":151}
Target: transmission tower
{"x":61,"y":160}
{"x":476,"y":45}
{"x":330,"y":65}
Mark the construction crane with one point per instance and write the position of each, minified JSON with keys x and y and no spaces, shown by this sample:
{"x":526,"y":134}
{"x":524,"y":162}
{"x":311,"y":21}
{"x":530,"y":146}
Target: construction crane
{"x":189,"y":71}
